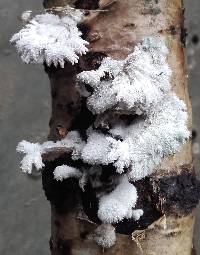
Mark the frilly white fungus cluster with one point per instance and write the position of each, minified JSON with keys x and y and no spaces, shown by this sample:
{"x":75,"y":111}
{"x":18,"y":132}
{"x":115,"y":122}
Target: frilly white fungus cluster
{"x":140,"y":146}
{"x":65,"y":172}
{"x":136,"y":83}
{"x":138,"y":88}
{"x":51,"y":38}
{"x":139,"y":85}
{"x":72,"y":143}
{"x":121,"y":200}
{"x":105,"y":236}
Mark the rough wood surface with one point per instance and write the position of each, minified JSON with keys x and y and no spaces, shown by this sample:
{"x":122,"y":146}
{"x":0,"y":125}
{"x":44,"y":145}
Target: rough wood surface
{"x":114,"y":32}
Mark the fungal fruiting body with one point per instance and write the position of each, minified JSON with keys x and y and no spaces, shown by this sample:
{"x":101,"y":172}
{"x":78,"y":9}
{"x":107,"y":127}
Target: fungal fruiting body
{"x":51,"y":39}
{"x":139,"y":121}
{"x":137,"y":83}
{"x":70,"y":144}
{"x":104,"y":235}
{"x":137,"y":88}
{"x":113,"y":207}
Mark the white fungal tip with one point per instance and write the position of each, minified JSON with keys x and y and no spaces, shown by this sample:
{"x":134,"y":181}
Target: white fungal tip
{"x":113,"y":207}
{"x":105,"y":236}
{"x":64,"y":172}
{"x":50,"y":38}
{"x":26,"y":15}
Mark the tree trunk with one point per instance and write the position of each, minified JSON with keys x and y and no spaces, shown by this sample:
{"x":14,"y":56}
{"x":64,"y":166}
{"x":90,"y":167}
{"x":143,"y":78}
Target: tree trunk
{"x":170,"y":195}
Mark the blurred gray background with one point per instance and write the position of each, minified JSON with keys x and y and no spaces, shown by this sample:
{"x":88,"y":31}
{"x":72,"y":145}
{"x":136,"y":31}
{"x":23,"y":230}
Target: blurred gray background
{"x":24,"y":114}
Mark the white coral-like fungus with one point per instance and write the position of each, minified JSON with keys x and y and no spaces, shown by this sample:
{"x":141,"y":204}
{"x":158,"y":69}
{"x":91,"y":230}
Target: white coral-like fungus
{"x":118,"y":204}
{"x":139,"y":81}
{"x":33,"y":156}
{"x":136,"y":214}
{"x":104,"y":235}
{"x":51,"y":38}
{"x":138,"y":85}
{"x":64,"y":172}
{"x":34,"y":152}
{"x":142,"y":144}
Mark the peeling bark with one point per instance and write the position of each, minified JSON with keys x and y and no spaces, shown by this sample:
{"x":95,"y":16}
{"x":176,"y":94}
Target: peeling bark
{"x":170,"y":195}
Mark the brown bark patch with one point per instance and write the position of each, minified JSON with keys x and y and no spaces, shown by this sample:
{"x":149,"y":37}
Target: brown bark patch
{"x":157,"y":195}
{"x":91,"y":61}
{"x":66,"y":100}
{"x":194,"y":252}
{"x":178,"y":194}
{"x":55,"y":3}
{"x":65,"y":195}
{"x":64,"y":247}
{"x":87,"y":4}
{"x":61,"y":247}
{"x":151,"y":11}
{"x":174,"y":195}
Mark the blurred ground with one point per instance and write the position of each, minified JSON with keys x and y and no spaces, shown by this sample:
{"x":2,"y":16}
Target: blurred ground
{"x":24,"y":114}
